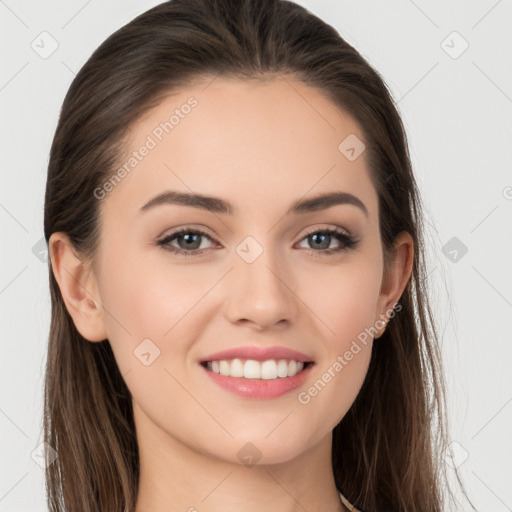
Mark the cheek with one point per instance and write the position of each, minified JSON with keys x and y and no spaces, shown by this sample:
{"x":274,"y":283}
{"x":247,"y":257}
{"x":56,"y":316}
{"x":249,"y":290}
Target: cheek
{"x":336,"y":386}
{"x":343,"y":299}
{"x":144,"y":300}
{"x":147,"y":313}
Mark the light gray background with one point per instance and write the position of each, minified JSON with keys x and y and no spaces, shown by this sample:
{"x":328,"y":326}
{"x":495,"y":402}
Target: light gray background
{"x":457,"y":111}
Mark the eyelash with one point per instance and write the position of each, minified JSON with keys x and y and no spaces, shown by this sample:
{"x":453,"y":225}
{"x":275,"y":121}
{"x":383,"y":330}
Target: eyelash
{"x":348,"y":241}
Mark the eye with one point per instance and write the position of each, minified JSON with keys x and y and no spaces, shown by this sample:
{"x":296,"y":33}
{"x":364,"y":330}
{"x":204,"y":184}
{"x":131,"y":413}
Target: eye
{"x":321,"y":239}
{"x":190,"y":244}
{"x":191,"y":241}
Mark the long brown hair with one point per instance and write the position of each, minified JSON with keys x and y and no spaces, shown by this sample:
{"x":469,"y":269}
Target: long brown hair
{"x":388,"y":451}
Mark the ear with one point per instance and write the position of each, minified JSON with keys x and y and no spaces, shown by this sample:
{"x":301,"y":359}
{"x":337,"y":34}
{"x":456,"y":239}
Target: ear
{"x":78,"y":286}
{"x":395,"y":279}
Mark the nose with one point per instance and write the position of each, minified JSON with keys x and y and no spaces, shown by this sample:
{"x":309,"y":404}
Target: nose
{"x":260,"y":293}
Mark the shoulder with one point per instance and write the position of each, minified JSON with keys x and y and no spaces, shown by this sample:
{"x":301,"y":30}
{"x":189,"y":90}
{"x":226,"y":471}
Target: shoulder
{"x":348,"y":504}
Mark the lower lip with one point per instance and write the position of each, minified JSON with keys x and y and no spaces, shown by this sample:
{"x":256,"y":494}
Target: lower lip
{"x":260,"y":388}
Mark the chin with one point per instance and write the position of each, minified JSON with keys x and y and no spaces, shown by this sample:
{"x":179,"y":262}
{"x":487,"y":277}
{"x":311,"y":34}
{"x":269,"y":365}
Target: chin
{"x":265,"y":449}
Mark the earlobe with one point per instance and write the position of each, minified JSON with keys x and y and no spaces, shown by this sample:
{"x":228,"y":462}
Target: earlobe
{"x":396,"y":278}
{"x":78,"y":287}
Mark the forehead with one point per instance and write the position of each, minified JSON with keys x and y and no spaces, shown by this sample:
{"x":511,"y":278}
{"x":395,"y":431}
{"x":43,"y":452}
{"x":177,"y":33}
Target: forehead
{"x":256,"y":143}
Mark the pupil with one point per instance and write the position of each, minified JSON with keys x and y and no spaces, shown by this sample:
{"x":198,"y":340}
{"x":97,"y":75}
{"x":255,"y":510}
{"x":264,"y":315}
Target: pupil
{"x":188,"y":239}
{"x":319,"y":235}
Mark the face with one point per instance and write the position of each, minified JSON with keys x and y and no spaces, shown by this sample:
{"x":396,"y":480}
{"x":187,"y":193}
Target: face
{"x":255,"y":273}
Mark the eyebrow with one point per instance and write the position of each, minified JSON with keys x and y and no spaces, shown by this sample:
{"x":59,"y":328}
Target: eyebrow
{"x":218,"y":205}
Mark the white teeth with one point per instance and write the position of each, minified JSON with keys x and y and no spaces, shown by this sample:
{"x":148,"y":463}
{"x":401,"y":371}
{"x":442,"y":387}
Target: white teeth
{"x":224,"y":367}
{"x":251,"y":369}
{"x":237,"y":368}
{"x":269,"y":370}
{"x":282,"y":368}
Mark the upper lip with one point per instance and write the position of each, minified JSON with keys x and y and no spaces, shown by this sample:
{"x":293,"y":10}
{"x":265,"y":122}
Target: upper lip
{"x":258,"y":354}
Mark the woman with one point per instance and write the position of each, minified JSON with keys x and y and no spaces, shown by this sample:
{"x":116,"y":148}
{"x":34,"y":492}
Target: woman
{"x":239,"y":312}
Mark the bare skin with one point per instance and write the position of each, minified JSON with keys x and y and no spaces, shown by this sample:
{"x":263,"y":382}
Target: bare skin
{"x":261,"y":146}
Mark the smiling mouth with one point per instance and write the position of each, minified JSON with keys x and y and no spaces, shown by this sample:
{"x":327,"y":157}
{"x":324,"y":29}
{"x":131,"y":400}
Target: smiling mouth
{"x":270,"y":369}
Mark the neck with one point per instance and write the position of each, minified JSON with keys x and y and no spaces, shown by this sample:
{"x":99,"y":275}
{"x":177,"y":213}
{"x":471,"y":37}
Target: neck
{"x":176,"y":477}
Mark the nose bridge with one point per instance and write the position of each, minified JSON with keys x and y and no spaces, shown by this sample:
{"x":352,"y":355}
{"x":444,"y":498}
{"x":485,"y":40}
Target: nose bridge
{"x":261,"y":291}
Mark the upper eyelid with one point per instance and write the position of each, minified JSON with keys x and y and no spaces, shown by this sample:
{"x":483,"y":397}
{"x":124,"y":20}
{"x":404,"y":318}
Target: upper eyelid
{"x":330,"y":227}
{"x":186,"y":229}
{"x":175,"y":231}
